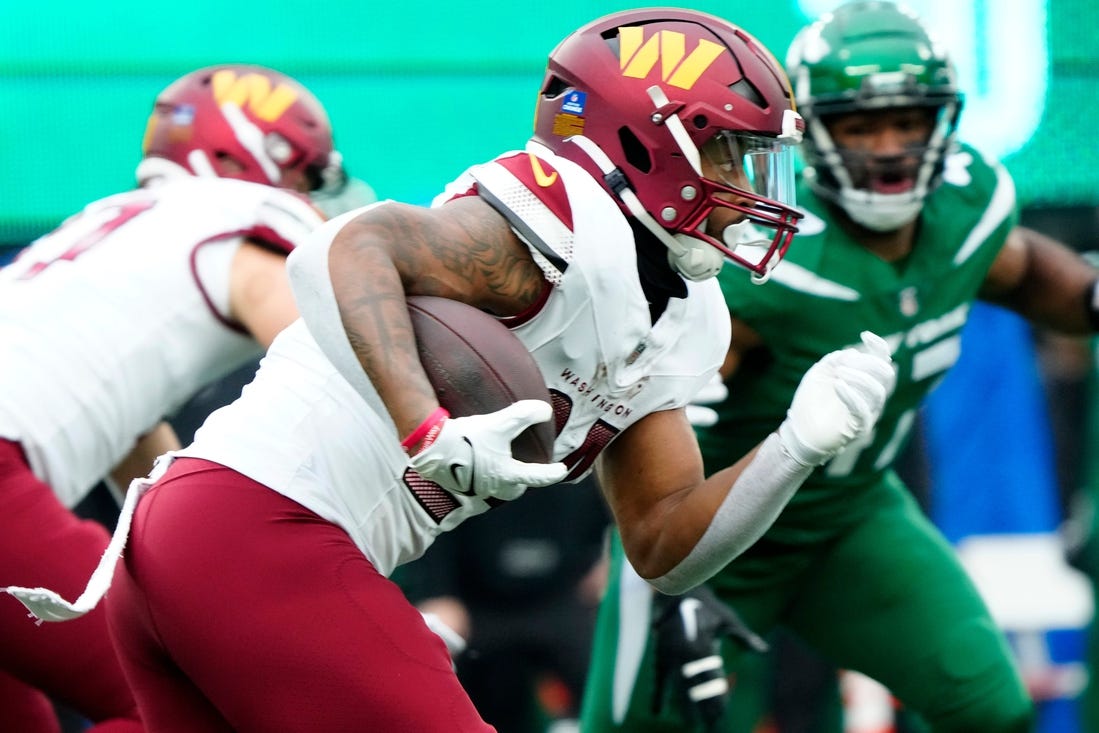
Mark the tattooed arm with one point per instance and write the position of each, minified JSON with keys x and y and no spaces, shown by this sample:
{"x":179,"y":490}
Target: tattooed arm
{"x":463,"y":250}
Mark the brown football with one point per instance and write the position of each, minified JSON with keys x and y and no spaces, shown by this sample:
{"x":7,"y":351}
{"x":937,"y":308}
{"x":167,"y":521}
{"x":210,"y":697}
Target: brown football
{"x":477,"y":365}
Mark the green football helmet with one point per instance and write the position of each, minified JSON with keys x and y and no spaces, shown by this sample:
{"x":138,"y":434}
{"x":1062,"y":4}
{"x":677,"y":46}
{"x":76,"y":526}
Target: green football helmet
{"x":871,"y":55}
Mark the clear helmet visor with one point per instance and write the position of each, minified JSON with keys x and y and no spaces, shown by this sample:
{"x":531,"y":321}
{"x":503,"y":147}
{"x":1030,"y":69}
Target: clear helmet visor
{"x":763,"y":166}
{"x":749,"y":185}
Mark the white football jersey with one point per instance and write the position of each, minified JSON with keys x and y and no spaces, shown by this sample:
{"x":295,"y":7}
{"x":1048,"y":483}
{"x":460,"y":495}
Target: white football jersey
{"x":112,"y":321}
{"x":312,"y":427}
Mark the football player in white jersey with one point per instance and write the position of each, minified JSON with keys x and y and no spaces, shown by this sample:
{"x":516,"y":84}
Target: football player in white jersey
{"x":111,"y":321}
{"x":253,"y":593}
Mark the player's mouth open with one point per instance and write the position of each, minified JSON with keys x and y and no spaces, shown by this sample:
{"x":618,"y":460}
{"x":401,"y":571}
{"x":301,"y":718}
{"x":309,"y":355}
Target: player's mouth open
{"x":891,"y":183}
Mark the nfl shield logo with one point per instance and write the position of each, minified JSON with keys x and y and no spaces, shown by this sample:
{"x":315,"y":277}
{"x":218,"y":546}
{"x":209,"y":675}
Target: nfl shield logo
{"x":183,"y":114}
{"x":574,"y":102}
{"x":910,"y":306}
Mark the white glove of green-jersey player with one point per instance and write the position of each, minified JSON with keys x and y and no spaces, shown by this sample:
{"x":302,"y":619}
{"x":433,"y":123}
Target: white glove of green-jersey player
{"x":838,"y":400}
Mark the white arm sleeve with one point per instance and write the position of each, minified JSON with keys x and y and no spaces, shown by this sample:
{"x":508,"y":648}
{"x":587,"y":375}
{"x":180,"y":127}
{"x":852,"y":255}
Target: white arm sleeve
{"x":309,"y":279}
{"x":751,"y":506}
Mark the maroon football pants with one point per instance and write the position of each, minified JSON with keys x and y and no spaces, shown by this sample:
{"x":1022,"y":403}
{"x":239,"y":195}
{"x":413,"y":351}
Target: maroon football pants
{"x":237,"y":609}
{"x":44,"y":544}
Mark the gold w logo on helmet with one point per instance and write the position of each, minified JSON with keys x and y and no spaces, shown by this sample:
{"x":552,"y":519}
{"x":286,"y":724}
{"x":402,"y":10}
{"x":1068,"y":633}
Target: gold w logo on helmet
{"x":637,"y":56}
{"x":253,"y":92}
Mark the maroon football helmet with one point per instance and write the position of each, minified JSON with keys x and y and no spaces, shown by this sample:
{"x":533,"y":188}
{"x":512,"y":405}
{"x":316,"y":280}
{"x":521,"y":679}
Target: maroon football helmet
{"x":678,"y":113}
{"x":239,"y":121}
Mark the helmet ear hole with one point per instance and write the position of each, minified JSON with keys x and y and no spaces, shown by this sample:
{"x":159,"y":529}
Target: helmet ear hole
{"x":228,"y":164}
{"x":637,"y":155}
{"x":554,"y":87}
{"x":746,"y":89}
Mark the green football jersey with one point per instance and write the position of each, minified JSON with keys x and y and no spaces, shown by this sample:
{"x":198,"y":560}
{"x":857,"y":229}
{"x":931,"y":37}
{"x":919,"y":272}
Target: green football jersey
{"x":826,"y":291}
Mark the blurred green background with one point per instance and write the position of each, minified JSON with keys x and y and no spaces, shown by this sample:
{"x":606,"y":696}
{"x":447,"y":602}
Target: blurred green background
{"x":419,"y":90}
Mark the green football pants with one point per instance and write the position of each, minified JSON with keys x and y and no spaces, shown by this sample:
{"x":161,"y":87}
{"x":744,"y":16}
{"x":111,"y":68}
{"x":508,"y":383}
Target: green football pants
{"x":886,"y":596}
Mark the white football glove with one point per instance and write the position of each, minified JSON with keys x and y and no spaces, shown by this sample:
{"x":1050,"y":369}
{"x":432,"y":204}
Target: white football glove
{"x":699,"y":411}
{"x":471,"y":456}
{"x":839,"y":399}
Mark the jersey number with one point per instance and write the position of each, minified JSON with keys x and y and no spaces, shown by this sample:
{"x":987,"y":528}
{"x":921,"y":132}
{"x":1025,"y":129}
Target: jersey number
{"x":119,"y":215}
{"x":931,"y":361}
{"x":844,"y":463}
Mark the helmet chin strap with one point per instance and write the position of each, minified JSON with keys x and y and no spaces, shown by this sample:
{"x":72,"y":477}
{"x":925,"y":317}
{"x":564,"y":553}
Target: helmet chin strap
{"x":692,"y":258}
{"x":881,"y":212}
{"x":699,"y":260}
{"x":676,"y":128}
{"x":695,"y":259}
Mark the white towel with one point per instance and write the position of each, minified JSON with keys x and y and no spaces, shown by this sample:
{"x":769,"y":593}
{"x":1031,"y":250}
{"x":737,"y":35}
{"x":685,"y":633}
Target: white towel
{"x":46,"y":605}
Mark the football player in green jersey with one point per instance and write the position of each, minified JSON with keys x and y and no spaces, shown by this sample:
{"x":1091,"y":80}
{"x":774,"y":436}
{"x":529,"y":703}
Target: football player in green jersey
{"x":905,"y":227}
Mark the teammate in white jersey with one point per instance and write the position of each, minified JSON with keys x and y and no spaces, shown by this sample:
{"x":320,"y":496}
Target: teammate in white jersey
{"x":253,"y":594}
{"x":110,"y":322}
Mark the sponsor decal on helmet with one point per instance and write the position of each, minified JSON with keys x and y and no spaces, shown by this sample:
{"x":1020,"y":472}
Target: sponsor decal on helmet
{"x":565,"y":125}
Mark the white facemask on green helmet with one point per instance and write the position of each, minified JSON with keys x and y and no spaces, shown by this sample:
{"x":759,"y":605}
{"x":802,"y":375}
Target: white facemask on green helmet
{"x":862,"y":57}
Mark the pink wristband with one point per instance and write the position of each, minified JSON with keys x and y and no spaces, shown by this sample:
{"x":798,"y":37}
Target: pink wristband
{"x":431,"y":421}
